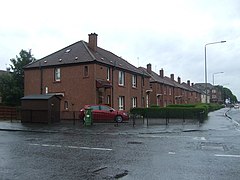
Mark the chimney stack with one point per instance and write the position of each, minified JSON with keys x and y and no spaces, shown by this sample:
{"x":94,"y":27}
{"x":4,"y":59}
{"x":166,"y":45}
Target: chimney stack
{"x":172,"y":76}
{"x":161,"y":73}
{"x":188,"y":82}
{"x":149,"y":68}
{"x":92,"y":41}
{"x":179,"y":80}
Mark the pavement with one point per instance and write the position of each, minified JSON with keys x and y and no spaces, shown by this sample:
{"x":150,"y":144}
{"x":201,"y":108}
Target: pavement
{"x":217,"y":120}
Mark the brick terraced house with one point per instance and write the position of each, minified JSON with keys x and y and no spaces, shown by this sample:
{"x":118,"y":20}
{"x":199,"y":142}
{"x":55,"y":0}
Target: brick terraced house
{"x":84,"y":73}
{"x":165,"y":90}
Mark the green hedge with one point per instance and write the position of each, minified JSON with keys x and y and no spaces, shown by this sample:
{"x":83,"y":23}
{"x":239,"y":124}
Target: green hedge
{"x":185,"y":111}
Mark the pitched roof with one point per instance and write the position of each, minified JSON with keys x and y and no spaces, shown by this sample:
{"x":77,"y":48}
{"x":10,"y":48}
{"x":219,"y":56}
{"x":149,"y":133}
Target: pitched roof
{"x":79,"y":52}
{"x":39,"y":97}
{"x":154,"y":77}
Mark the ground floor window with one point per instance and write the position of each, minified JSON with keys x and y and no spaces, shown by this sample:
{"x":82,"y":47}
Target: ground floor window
{"x":134,"y":102}
{"x":121,"y":102}
{"x":109,"y":100}
{"x":66,"y":105}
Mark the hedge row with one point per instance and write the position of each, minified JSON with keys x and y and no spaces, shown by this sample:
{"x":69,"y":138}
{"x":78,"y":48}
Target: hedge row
{"x":186,"y":111}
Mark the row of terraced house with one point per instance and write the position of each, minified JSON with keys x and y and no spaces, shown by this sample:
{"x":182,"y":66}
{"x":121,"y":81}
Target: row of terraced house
{"x":83,"y":73}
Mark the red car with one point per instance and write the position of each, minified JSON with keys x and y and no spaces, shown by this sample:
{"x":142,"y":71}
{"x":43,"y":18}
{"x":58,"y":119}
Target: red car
{"x":104,"y":113}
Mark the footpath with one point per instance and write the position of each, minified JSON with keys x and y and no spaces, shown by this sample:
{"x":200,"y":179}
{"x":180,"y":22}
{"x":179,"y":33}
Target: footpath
{"x":217,"y":120}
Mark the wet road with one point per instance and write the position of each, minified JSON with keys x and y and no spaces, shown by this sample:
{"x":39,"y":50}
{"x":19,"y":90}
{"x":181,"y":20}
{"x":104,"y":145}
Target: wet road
{"x":194,"y":154}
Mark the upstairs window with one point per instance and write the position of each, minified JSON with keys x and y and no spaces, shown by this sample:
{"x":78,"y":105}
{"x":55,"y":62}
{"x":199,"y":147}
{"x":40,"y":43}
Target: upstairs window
{"x":170,"y":91}
{"x":108,"y":73}
{"x":134,"y":81}
{"x":57,"y":74}
{"x":142,"y":81}
{"x":121,"y":78}
{"x":85,"y":71}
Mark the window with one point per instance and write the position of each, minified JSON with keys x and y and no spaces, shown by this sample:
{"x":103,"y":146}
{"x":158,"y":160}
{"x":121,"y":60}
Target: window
{"x":109,"y":100}
{"x":121,"y":102}
{"x":65,"y":105}
{"x":85,"y":71}
{"x":121,"y":78}
{"x":170,"y":91}
{"x":108,"y":73}
{"x":105,"y":108}
{"x":147,"y":100}
{"x":94,"y":107}
{"x":134,"y":81}
{"x":57,"y":74}
{"x":142,"y":81}
{"x":134,"y":102}
{"x":46,"y":90}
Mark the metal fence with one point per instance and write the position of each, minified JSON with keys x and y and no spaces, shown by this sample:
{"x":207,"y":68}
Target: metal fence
{"x":138,"y":119}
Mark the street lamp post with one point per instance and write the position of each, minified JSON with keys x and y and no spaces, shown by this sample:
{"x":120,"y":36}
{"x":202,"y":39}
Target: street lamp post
{"x":214,"y":74}
{"x":205,"y":53}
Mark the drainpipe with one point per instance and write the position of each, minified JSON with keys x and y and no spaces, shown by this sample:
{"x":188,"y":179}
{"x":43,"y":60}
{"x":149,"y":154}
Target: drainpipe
{"x":41,"y":78}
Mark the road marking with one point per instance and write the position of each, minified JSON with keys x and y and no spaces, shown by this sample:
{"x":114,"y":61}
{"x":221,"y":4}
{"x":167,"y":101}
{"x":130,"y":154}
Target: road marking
{"x":227,"y":155}
{"x":171,"y":153}
{"x":72,"y":147}
{"x":166,"y":136}
{"x":200,"y":138}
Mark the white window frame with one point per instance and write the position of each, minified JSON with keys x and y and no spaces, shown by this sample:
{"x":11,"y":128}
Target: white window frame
{"x":108,"y":73}
{"x":170,"y":91}
{"x":134,"y":81}
{"x":121,"y":102}
{"x":134,"y":102}
{"x":121,"y":78}
{"x":57,"y":74}
{"x":46,"y":90}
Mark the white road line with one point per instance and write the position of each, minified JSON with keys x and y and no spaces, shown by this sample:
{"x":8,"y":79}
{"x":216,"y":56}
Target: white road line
{"x":227,"y":155}
{"x":72,"y":147}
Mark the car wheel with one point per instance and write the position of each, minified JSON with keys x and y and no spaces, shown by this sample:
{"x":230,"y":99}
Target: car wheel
{"x":119,"y":119}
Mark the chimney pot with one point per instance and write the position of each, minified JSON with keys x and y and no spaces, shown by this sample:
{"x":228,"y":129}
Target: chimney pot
{"x":172,"y":76}
{"x":188,"y":82}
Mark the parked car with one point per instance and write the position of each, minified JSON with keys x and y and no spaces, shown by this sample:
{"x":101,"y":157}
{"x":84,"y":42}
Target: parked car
{"x":104,"y":113}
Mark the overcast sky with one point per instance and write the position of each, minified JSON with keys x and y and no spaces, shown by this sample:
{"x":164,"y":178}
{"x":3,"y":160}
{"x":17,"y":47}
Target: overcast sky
{"x":169,"y":34}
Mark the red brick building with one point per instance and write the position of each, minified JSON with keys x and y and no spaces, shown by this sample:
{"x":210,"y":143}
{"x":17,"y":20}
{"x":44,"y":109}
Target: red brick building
{"x":165,"y":90}
{"x":84,"y":73}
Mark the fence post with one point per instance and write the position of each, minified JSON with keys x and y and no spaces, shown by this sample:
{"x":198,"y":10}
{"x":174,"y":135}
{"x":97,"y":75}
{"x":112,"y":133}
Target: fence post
{"x":167,"y":118}
{"x":183,"y":116}
{"x":147,"y":119}
{"x":133,"y":120}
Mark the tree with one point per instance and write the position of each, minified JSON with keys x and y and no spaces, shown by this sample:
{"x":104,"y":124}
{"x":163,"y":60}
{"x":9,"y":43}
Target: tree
{"x":12,"y":84}
{"x":8,"y":90}
{"x":227,"y":94}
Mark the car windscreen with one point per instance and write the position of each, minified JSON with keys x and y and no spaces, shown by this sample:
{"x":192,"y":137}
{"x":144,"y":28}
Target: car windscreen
{"x":105,"y":108}
{"x":94,"y":107}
